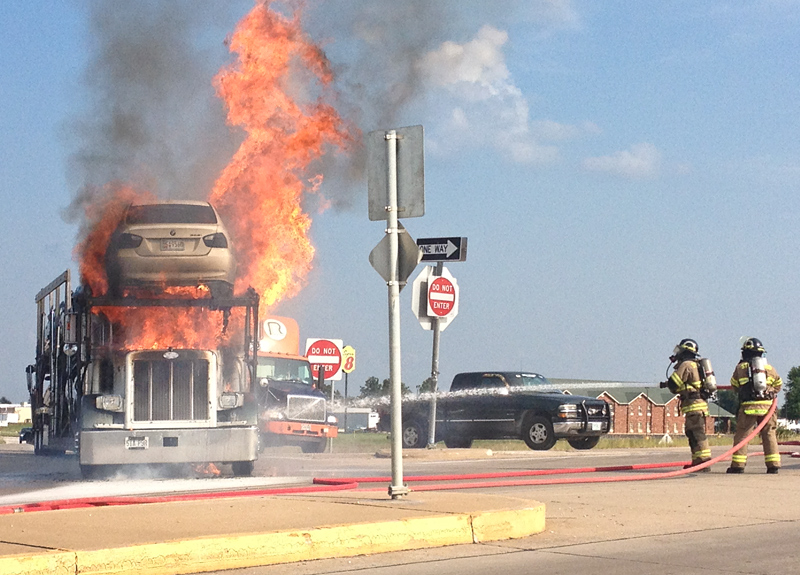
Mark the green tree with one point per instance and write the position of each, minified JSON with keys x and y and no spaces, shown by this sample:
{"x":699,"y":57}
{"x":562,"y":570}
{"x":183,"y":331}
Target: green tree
{"x":374,"y":388}
{"x":4,"y":399}
{"x":728,"y":400}
{"x":387,"y":388}
{"x":371,"y":388}
{"x":791,"y":403}
{"x":427,"y":386}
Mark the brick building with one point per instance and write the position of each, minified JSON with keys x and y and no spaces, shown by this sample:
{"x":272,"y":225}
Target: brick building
{"x":644,"y":409}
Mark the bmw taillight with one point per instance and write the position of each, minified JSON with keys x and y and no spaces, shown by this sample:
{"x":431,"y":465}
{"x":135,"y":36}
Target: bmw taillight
{"x":217,"y":240}
{"x":129,"y":241}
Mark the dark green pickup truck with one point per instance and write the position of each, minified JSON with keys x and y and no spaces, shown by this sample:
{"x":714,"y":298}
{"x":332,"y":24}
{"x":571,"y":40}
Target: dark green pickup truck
{"x":504,"y":405}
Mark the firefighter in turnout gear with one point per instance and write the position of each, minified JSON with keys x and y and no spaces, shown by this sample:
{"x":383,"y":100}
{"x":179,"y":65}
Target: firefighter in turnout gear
{"x":758,"y":385}
{"x":687,"y":383}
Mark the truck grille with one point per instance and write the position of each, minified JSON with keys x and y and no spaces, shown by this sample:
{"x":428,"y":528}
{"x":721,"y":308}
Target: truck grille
{"x":304,"y":408}
{"x":165,"y":390}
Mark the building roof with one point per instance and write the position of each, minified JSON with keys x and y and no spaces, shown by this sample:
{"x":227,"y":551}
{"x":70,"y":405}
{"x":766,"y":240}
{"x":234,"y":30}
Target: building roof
{"x":625,"y":393}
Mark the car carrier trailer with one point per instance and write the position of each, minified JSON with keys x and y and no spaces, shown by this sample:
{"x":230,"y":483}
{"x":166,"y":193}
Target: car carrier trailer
{"x":113,"y":406}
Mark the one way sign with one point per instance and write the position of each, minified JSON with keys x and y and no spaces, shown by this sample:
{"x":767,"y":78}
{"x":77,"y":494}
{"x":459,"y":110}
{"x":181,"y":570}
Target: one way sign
{"x":443,"y":249}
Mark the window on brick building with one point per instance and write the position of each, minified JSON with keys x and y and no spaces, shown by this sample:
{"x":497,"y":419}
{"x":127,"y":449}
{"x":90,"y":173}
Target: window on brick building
{"x":675,"y":428}
{"x":639,"y":426}
{"x":640,"y":410}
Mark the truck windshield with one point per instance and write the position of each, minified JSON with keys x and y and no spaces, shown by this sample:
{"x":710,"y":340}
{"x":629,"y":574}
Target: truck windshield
{"x":532,"y":380}
{"x":282,"y":369}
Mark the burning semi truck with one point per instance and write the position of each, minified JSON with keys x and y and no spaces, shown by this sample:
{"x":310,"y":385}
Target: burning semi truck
{"x":94,"y":393}
{"x":292,"y":409}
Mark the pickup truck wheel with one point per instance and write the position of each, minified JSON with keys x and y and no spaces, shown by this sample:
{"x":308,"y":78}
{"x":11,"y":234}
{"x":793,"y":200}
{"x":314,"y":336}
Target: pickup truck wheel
{"x":457,"y":443}
{"x":317,"y":446}
{"x":584,"y":442}
{"x":537,"y":432}
{"x":242,"y":468}
{"x":414,"y":435}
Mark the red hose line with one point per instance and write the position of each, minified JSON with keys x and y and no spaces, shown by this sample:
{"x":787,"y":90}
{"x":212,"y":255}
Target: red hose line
{"x":336,"y":484}
{"x":580,"y":470}
{"x":122,"y":500}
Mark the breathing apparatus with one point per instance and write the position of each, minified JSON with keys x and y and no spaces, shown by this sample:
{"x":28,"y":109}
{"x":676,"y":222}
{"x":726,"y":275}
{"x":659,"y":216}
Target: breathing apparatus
{"x":689,"y":347}
{"x":753,"y":353}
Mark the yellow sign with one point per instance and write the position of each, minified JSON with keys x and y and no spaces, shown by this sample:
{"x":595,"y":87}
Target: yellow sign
{"x":348,"y":359}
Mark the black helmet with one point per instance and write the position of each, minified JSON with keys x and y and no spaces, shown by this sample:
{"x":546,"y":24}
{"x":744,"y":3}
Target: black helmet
{"x":685,"y":346}
{"x":752,"y":346}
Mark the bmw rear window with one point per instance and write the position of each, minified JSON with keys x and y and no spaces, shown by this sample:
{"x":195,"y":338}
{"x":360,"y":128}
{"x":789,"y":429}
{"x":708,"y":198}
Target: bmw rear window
{"x":171,"y":214}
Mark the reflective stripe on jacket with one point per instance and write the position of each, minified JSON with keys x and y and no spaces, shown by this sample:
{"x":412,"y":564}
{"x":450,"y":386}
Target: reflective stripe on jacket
{"x":685,"y":381}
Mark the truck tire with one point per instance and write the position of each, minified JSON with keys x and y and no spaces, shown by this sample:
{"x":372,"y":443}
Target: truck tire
{"x":458,"y":442}
{"x":584,"y":442}
{"x":537,"y":433}
{"x":242,"y":468}
{"x":414,"y":436}
{"x":317,"y":446}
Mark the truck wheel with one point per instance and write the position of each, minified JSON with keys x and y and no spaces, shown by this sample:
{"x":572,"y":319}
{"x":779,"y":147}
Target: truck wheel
{"x":414,"y":435}
{"x":537,"y":432}
{"x":242,"y":468}
{"x":458,"y":442}
{"x":318,"y":446}
{"x":584,"y":442}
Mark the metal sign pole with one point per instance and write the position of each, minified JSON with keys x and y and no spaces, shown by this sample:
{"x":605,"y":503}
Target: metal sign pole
{"x":396,"y":489}
{"x":434,"y":371}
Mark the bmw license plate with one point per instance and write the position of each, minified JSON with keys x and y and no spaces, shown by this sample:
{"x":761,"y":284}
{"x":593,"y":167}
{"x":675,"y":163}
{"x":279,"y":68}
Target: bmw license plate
{"x":172,"y":246}
{"x":136,"y":443}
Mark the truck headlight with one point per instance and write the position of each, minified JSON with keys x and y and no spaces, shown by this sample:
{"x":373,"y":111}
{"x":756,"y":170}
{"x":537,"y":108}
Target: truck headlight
{"x":568,"y":411}
{"x":108,"y":402}
{"x":231,"y":399}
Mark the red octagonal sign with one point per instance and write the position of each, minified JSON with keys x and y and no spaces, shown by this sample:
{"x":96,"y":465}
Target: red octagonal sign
{"x":325,"y":354}
{"x":441,"y":297}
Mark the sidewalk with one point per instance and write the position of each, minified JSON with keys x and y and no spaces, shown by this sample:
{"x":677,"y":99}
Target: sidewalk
{"x":229,"y":533}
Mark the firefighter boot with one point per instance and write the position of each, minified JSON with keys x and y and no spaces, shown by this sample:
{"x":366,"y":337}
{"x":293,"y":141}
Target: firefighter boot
{"x":735,"y":470}
{"x":772,"y":470}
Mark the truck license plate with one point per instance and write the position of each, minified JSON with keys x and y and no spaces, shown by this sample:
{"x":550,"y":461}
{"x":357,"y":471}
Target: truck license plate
{"x":172,"y":246}
{"x":136,"y":443}
{"x":305,"y":426}
{"x":596,"y":425}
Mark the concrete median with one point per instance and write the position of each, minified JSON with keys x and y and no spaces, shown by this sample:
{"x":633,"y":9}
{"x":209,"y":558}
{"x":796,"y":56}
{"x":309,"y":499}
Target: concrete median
{"x":192,"y":537}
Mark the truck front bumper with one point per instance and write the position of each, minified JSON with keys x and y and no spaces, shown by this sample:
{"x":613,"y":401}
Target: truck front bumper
{"x":300,"y":430}
{"x":129,"y":446}
{"x":565,"y":428}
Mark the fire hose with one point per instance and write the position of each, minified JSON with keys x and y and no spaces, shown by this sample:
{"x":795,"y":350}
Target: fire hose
{"x":457,"y":481}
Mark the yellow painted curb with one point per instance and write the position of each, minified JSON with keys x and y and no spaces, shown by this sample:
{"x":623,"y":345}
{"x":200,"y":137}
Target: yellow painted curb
{"x":513,"y":524}
{"x":239,"y":551}
{"x":56,"y":563}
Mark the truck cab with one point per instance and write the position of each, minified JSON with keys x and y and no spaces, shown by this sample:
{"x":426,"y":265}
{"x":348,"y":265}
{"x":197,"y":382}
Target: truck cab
{"x":292,"y":411}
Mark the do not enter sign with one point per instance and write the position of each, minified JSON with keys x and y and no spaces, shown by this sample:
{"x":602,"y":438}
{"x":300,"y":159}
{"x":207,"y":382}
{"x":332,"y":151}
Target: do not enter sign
{"x":442,"y":295}
{"x":325,"y":354}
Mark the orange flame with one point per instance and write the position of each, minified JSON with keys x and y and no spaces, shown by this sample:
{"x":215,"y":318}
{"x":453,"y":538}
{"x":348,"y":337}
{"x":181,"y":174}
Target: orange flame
{"x":259,"y":193}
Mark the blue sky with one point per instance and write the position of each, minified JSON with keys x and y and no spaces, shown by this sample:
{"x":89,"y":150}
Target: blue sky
{"x":626,"y":174}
